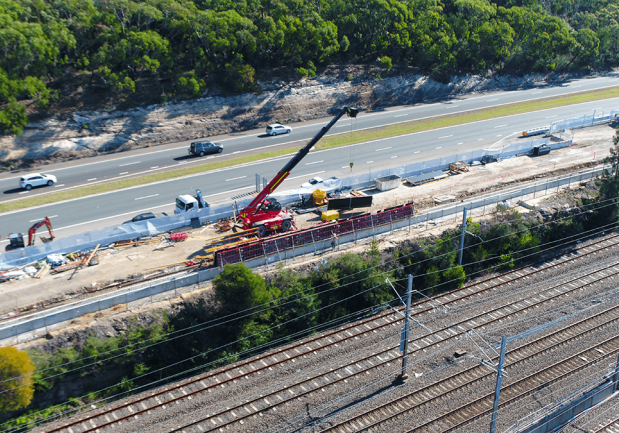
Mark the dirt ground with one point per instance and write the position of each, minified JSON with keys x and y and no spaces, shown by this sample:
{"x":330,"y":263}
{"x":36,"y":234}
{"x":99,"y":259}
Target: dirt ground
{"x":19,"y":297}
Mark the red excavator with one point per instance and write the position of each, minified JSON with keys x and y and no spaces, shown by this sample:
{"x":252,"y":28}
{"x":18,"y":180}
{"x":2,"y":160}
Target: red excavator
{"x":17,"y":239}
{"x":265,"y":213}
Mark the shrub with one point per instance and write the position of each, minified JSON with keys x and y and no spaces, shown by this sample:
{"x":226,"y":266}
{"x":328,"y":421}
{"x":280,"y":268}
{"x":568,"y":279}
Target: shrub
{"x":386,"y":63}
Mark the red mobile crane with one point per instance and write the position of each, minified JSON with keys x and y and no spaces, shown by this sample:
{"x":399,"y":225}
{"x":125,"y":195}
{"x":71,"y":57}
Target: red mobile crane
{"x":17,"y":239}
{"x":265,"y":213}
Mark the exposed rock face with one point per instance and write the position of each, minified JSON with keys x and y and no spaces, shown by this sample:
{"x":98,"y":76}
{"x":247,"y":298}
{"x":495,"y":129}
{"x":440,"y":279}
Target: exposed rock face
{"x":89,"y":133}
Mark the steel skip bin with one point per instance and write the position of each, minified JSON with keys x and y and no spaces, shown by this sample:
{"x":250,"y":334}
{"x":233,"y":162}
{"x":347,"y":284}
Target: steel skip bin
{"x":387,"y":182}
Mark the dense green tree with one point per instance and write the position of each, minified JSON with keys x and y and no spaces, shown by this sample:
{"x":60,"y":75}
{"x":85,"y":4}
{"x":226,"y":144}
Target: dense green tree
{"x":152,"y":48}
{"x":239,"y":289}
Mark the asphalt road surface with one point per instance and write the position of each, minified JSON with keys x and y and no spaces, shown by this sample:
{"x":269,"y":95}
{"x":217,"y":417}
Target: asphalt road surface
{"x":105,"y":210}
{"x":154,"y":160}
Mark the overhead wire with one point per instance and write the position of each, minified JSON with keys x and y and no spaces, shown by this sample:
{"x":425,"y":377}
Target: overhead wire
{"x":392,"y":299}
{"x":185,"y":334}
{"x":231,"y":402}
{"x":203,"y":353}
{"x":348,"y":276}
{"x":144,"y":348}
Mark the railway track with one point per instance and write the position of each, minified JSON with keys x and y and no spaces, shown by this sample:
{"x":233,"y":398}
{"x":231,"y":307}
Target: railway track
{"x":609,"y":426}
{"x":517,"y":391}
{"x":186,"y":390}
{"x":255,"y":405}
{"x":381,"y":416}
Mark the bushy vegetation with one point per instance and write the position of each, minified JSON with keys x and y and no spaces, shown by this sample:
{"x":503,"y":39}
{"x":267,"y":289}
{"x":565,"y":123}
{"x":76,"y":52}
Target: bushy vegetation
{"x":175,"y":47}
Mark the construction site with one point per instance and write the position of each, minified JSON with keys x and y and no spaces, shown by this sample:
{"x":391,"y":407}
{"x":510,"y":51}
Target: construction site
{"x":80,"y":275}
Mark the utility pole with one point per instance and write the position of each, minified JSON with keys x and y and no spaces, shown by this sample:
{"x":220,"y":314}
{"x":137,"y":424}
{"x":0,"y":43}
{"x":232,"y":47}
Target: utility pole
{"x":616,"y":375}
{"x":404,"y":341}
{"x":497,"y":390}
{"x":462,"y":236}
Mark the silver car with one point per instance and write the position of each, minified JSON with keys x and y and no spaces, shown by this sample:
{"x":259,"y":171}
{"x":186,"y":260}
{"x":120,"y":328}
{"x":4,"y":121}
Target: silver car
{"x":277,"y":129}
{"x":36,"y":179}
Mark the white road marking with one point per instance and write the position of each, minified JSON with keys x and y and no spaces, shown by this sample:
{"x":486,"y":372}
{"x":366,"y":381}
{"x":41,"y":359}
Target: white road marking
{"x":416,"y":152}
{"x":440,"y":147}
{"x":369,"y":162}
{"x":148,"y":196}
{"x":34,"y":221}
{"x":124,"y":172}
{"x":184,"y":162}
{"x":315,"y":162}
{"x":401,"y":115}
{"x":238,"y":151}
{"x":296,"y":177}
{"x":235,"y":178}
{"x":394,"y":156}
{"x":56,"y":186}
{"x":500,"y":135}
{"x":479,"y":139}
{"x":25,"y":192}
{"x":550,"y":117}
{"x":491,"y":100}
{"x":461,"y":142}
{"x":342,"y":126}
{"x":384,"y":148}
{"x":500,"y":126}
{"x":129,"y":163}
{"x":346,"y":166}
{"x":89,"y":180}
{"x":155,"y":166}
{"x":447,"y":136}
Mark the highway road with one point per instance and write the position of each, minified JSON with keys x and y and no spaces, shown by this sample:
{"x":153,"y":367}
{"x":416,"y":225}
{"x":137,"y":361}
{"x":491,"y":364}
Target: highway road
{"x":153,"y":160}
{"x":113,"y":208}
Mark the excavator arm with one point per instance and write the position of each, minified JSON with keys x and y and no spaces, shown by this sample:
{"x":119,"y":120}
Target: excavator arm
{"x":284,"y":172}
{"x":35,"y":227}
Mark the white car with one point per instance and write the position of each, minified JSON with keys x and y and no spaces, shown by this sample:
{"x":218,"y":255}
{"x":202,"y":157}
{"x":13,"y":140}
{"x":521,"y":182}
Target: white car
{"x":313,"y":183}
{"x":36,"y":179}
{"x":277,"y":129}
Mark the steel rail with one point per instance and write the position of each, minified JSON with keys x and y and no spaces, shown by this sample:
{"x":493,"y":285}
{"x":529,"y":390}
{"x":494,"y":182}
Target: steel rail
{"x":612,"y":423}
{"x":517,"y":394}
{"x":165,"y":396}
{"x":512,"y":359}
{"x":376,"y":364}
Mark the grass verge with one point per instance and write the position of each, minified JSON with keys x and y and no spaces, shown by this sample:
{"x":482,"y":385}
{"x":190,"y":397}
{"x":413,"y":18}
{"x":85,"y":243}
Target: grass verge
{"x":326,"y":143}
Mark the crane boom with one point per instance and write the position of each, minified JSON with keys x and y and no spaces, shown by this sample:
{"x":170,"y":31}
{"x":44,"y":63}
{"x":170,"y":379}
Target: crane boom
{"x":284,"y":172}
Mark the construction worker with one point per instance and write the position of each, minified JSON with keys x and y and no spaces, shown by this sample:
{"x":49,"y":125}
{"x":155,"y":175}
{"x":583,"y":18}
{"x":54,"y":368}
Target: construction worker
{"x":334,"y":242}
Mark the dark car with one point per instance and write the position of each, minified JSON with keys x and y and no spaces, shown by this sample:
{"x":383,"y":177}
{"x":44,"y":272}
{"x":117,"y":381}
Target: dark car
{"x":141,"y":217}
{"x":201,"y":148}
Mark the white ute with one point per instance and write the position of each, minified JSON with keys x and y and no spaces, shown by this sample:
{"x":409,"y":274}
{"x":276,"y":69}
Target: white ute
{"x":187,"y":203}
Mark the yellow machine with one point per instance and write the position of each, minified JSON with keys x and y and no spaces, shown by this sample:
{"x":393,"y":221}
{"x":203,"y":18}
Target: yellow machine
{"x":319,"y":197}
{"x":330,"y":215}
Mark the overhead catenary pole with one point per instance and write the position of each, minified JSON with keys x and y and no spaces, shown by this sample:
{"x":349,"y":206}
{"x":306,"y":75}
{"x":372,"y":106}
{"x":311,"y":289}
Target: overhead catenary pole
{"x":497,"y":390}
{"x":616,"y":375}
{"x":462,"y":236}
{"x":404,"y":377}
